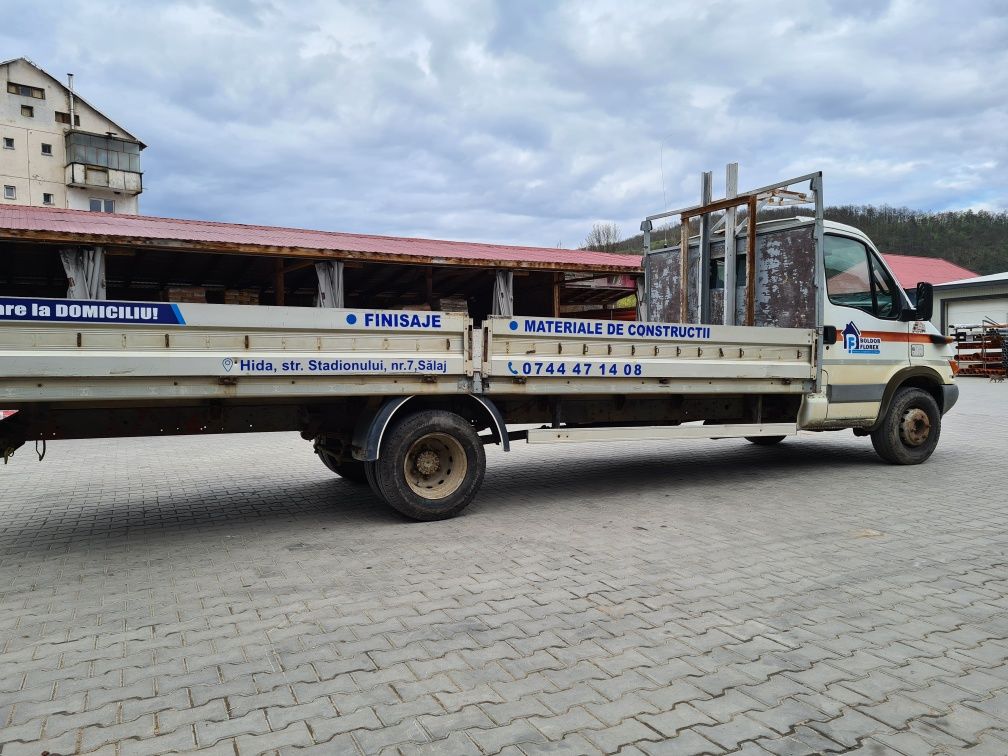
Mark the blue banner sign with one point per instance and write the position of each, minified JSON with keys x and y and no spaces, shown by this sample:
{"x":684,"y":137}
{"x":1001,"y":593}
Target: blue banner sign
{"x":89,"y":311}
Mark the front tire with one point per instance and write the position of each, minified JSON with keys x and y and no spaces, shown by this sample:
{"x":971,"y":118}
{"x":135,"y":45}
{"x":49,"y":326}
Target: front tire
{"x":910,"y":430}
{"x":431,"y":465}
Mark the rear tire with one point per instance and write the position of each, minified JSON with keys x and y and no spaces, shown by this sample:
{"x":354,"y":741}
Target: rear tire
{"x":765,"y":440}
{"x":909,"y":432}
{"x":370,"y":477}
{"x":431,"y":465}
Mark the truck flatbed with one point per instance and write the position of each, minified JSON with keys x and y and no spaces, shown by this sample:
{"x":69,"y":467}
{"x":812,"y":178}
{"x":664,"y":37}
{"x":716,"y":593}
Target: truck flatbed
{"x":100,"y":352}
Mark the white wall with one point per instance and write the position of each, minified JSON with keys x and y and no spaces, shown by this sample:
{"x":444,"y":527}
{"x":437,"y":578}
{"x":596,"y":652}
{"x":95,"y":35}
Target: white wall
{"x":991,"y":300}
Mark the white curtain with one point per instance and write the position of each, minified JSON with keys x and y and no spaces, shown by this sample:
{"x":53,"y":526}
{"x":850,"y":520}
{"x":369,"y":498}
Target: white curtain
{"x":503,"y":293}
{"x":330,"y":283}
{"x":85,"y":272}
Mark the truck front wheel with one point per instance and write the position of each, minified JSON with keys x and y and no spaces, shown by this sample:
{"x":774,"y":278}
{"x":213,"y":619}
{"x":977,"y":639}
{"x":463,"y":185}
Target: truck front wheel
{"x":431,"y":465}
{"x":909,"y":432}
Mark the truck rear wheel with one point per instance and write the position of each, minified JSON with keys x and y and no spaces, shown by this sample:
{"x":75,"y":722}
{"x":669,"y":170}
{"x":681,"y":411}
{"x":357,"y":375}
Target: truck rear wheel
{"x":431,"y":465}
{"x":909,"y":432}
{"x":370,"y":477}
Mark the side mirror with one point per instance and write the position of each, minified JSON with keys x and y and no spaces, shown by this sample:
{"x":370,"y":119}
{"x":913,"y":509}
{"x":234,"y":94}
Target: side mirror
{"x":925,"y":301}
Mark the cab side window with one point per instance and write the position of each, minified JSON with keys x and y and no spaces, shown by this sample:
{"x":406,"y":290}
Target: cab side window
{"x":856,"y":278}
{"x":887,"y":301}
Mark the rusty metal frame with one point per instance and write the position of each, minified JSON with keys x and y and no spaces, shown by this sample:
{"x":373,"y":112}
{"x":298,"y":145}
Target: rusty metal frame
{"x":750,"y":265}
{"x":728,"y":221}
{"x":704,"y":258}
{"x":778,"y":193}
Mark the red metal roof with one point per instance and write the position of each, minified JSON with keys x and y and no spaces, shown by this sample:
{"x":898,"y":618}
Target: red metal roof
{"x":911,"y":270}
{"x":57,"y":225}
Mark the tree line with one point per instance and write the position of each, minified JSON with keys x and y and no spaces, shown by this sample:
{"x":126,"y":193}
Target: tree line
{"x":974,"y":239}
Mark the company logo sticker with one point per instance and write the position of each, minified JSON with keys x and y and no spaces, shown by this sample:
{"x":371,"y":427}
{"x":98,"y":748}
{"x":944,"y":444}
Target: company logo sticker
{"x":855,"y":343}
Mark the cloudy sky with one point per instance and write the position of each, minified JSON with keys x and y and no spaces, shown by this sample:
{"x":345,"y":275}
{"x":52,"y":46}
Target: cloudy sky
{"x":525,"y":121}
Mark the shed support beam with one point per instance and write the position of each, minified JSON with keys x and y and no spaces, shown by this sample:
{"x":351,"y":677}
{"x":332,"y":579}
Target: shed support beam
{"x":278,"y":281}
{"x":85,"y":272}
{"x":330,"y":283}
{"x":503,"y":293}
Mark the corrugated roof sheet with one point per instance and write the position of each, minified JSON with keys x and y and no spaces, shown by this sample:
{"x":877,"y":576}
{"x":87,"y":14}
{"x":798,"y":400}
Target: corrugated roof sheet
{"x":53,"y":224}
{"x":911,"y":270}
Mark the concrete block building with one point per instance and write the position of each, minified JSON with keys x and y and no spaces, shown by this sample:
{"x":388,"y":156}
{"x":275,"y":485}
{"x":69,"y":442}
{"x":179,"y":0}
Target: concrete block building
{"x":60,"y":151}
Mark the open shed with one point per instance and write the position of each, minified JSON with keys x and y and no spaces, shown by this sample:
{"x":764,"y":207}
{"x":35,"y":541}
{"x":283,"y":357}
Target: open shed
{"x":48,"y":252}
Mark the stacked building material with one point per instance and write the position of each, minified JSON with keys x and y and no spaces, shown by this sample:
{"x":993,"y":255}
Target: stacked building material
{"x":195,"y":294}
{"x":241,"y":296}
{"x":981,"y":349}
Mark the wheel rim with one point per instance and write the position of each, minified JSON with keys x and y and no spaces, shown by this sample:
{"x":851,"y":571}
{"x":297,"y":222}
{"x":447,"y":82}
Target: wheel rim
{"x":435,"y":466}
{"x":915,"y":427}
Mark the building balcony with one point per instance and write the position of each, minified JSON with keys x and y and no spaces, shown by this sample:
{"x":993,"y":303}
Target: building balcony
{"x":83,"y":176}
{"x":97,"y":161}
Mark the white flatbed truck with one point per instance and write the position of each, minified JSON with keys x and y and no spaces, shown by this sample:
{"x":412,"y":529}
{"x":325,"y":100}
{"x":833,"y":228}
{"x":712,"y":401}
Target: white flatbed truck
{"x":407,"y":400}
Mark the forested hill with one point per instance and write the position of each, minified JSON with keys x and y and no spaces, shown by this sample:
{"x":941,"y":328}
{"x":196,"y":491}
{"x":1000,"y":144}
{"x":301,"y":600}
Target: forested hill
{"x":977,"y":240}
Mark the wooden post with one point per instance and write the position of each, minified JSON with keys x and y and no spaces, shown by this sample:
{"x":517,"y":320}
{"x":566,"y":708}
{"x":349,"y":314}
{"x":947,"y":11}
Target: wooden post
{"x":278,"y":281}
{"x":557,"y":278}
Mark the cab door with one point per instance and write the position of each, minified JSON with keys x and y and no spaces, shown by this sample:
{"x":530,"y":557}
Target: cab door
{"x":864,"y":304}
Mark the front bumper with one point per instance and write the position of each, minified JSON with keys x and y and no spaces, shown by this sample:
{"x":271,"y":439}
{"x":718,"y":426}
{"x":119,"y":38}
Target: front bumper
{"x":950,"y":395}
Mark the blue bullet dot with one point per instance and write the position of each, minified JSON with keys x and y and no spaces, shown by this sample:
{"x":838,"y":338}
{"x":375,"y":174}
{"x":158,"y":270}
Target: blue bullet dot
{"x":513,"y":325}
{"x":351,"y":318}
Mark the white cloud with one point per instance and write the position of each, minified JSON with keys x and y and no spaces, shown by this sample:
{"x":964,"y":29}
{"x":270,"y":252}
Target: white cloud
{"x":525,"y":122}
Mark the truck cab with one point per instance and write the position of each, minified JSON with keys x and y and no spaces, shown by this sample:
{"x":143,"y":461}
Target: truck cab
{"x":882,"y":340}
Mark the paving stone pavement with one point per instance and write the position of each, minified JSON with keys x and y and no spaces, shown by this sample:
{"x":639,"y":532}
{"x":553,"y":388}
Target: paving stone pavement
{"x":229,"y":594}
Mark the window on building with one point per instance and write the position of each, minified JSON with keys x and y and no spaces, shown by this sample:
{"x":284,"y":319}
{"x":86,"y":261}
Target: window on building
{"x":101,"y":206}
{"x":9,"y":192}
{"x":27,"y":111}
{"x":8,"y":143}
{"x":47,"y":199}
{"x":65,"y":118}
{"x":103,"y":151}
{"x":46,"y":149}
{"x":26,"y":91}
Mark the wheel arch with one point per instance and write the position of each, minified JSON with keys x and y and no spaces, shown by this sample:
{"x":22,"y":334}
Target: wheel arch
{"x":918,"y":376}
{"x":371,"y":425}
